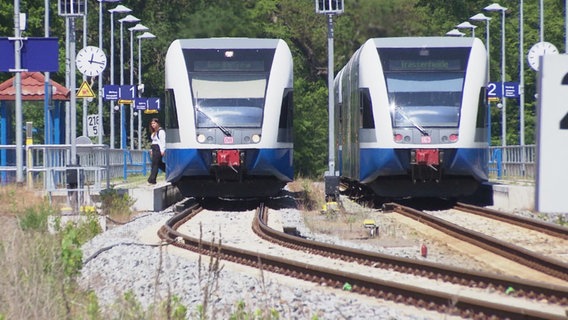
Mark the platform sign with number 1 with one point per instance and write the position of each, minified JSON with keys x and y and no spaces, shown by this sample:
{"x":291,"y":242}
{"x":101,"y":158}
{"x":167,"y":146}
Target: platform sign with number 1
{"x":552,"y":134}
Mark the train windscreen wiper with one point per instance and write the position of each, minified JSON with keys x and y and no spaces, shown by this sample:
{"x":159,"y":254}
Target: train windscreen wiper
{"x":414,"y":123}
{"x":223,"y":129}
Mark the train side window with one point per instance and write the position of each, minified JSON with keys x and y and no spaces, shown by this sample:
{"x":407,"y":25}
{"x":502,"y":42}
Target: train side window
{"x":366,"y":109}
{"x":481,"y":121}
{"x":171,"y":110}
{"x":286,"y":116}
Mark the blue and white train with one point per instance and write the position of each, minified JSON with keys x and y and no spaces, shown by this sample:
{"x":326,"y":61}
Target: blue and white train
{"x":411,"y":117}
{"x":229,"y":104}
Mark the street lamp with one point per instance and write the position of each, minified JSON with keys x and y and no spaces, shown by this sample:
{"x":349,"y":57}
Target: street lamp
{"x":145,"y":35}
{"x":498,"y":7}
{"x":482,"y":17}
{"x":119,"y":9}
{"x":467,"y":25}
{"x":100,"y":124}
{"x":129,"y":19}
{"x":522,"y":79}
{"x":455,"y":33}
{"x":138,"y":27}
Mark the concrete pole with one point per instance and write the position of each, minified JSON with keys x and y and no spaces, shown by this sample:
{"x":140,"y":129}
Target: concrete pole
{"x":139,"y":83}
{"x":504,"y":107}
{"x":131,"y":83}
{"x":18,"y":85}
{"x":488,"y":80}
{"x":48,"y":132}
{"x":100,"y":126}
{"x":521,"y":75}
{"x":73,"y":90}
{"x":111,"y":78}
{"x":85,"y":101}
{"x":122,"y":124}
{"x":541,"y":24}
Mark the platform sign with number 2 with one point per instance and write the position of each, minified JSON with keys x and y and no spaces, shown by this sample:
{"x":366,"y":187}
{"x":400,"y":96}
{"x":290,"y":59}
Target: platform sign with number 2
{"x":552,"y":134}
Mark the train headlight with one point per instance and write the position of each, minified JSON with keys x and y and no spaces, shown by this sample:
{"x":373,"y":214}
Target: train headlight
{"x":398,"y":137}
{"x":453,"y":137}
{"x":256,"y":138}
{"x":201,"y":138}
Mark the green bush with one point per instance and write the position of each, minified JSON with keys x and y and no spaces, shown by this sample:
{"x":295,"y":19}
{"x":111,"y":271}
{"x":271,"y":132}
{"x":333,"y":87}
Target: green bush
{"x":35,"y":218}
{"x":116,"y":203}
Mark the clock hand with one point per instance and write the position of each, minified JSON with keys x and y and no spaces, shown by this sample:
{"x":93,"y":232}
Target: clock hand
{"x":92,"y":56}
{"x":98,"y":62}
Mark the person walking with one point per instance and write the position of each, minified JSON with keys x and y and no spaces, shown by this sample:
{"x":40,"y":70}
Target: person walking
{"x":158,"y":149}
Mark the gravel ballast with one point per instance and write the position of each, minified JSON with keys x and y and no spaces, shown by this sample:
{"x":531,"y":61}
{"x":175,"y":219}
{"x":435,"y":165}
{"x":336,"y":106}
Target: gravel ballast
{"x":117,"y":261}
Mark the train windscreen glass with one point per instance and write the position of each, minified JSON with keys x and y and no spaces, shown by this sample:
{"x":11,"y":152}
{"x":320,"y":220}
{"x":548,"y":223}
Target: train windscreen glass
{"x":424,"y":85}
{"x":228,"y":85}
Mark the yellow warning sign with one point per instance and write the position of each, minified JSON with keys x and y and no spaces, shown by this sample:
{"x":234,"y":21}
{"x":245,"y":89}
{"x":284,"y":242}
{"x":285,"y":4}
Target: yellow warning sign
{"x":85,"y":91}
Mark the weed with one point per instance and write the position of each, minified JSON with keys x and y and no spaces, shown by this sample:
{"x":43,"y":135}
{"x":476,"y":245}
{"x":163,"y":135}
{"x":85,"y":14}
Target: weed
{"x":309,"y":198}
{"x":35,"y":218}
{"x":71,"y":254}
{"x":116,"y":203}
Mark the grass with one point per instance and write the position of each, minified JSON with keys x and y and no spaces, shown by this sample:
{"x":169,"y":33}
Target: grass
{"x":40,"y":269}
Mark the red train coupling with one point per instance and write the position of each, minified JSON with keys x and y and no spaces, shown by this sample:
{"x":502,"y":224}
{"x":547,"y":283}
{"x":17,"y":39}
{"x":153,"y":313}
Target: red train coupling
{"x":230,"y":158}
{"x":427,"y":157}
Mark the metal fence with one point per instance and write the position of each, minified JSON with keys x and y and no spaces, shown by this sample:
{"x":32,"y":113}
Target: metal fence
{"x":513,"y":163}
{"x":47,"y":167}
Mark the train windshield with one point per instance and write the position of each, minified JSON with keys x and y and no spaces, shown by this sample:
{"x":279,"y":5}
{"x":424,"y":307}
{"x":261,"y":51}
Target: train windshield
{"x":424,"y":85}
{"x":228,"y":86}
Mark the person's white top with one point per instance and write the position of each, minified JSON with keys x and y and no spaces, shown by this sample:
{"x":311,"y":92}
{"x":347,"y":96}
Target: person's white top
{"x":159,"y":138}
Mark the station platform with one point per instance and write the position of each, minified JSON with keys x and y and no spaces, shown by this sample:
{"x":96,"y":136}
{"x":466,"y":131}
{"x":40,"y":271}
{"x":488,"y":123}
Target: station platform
{"x":155,"y":197}
{"x":512,"y":197}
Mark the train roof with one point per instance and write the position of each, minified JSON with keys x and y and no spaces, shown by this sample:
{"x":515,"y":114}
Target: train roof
{"x":414,"y":42}
{"x":233,"y":43}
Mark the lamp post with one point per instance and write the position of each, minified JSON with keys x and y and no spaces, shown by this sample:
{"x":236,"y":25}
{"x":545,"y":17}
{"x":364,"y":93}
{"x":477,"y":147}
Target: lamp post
{"x":467,"y":25}
{"x":100,"y":101}
{"x":482,"y":17}
{"x":145,"y":35}
{"x":129,"y":19}
{"x":138,"y":27}
{"x":498,"y":7}
{"x":119,"y":9}
{"x":455,"y":33}
{"x":85,"y":101}
{"x":521,"y":80}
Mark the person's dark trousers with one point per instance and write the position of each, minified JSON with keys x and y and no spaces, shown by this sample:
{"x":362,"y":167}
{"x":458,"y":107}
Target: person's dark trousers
{"x":156,"y":163}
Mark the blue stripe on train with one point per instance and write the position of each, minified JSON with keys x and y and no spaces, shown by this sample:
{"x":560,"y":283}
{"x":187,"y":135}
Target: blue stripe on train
{"x":387,"y":162}
{"x":263,"y":162}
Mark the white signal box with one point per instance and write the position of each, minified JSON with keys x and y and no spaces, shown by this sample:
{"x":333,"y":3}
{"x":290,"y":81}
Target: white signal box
{"x":552,"y":134}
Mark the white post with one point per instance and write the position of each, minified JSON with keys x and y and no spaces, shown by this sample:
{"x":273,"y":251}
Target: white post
{"x":85,"y":101}
{"x":504,"y":108}
{"x":139,"y":83}
{"x":111,"y":77}
{"x":131,"y":83}
{"x":100,"y":86}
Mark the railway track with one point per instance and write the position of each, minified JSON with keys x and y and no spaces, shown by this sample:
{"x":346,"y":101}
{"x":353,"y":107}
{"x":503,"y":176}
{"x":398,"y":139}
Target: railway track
{"x":443,"y":302}
{"x":508,"y":250}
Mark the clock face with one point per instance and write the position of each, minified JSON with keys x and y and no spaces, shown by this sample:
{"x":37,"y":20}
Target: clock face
{"x":91,"y":61}
{"x":539,"y":49}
